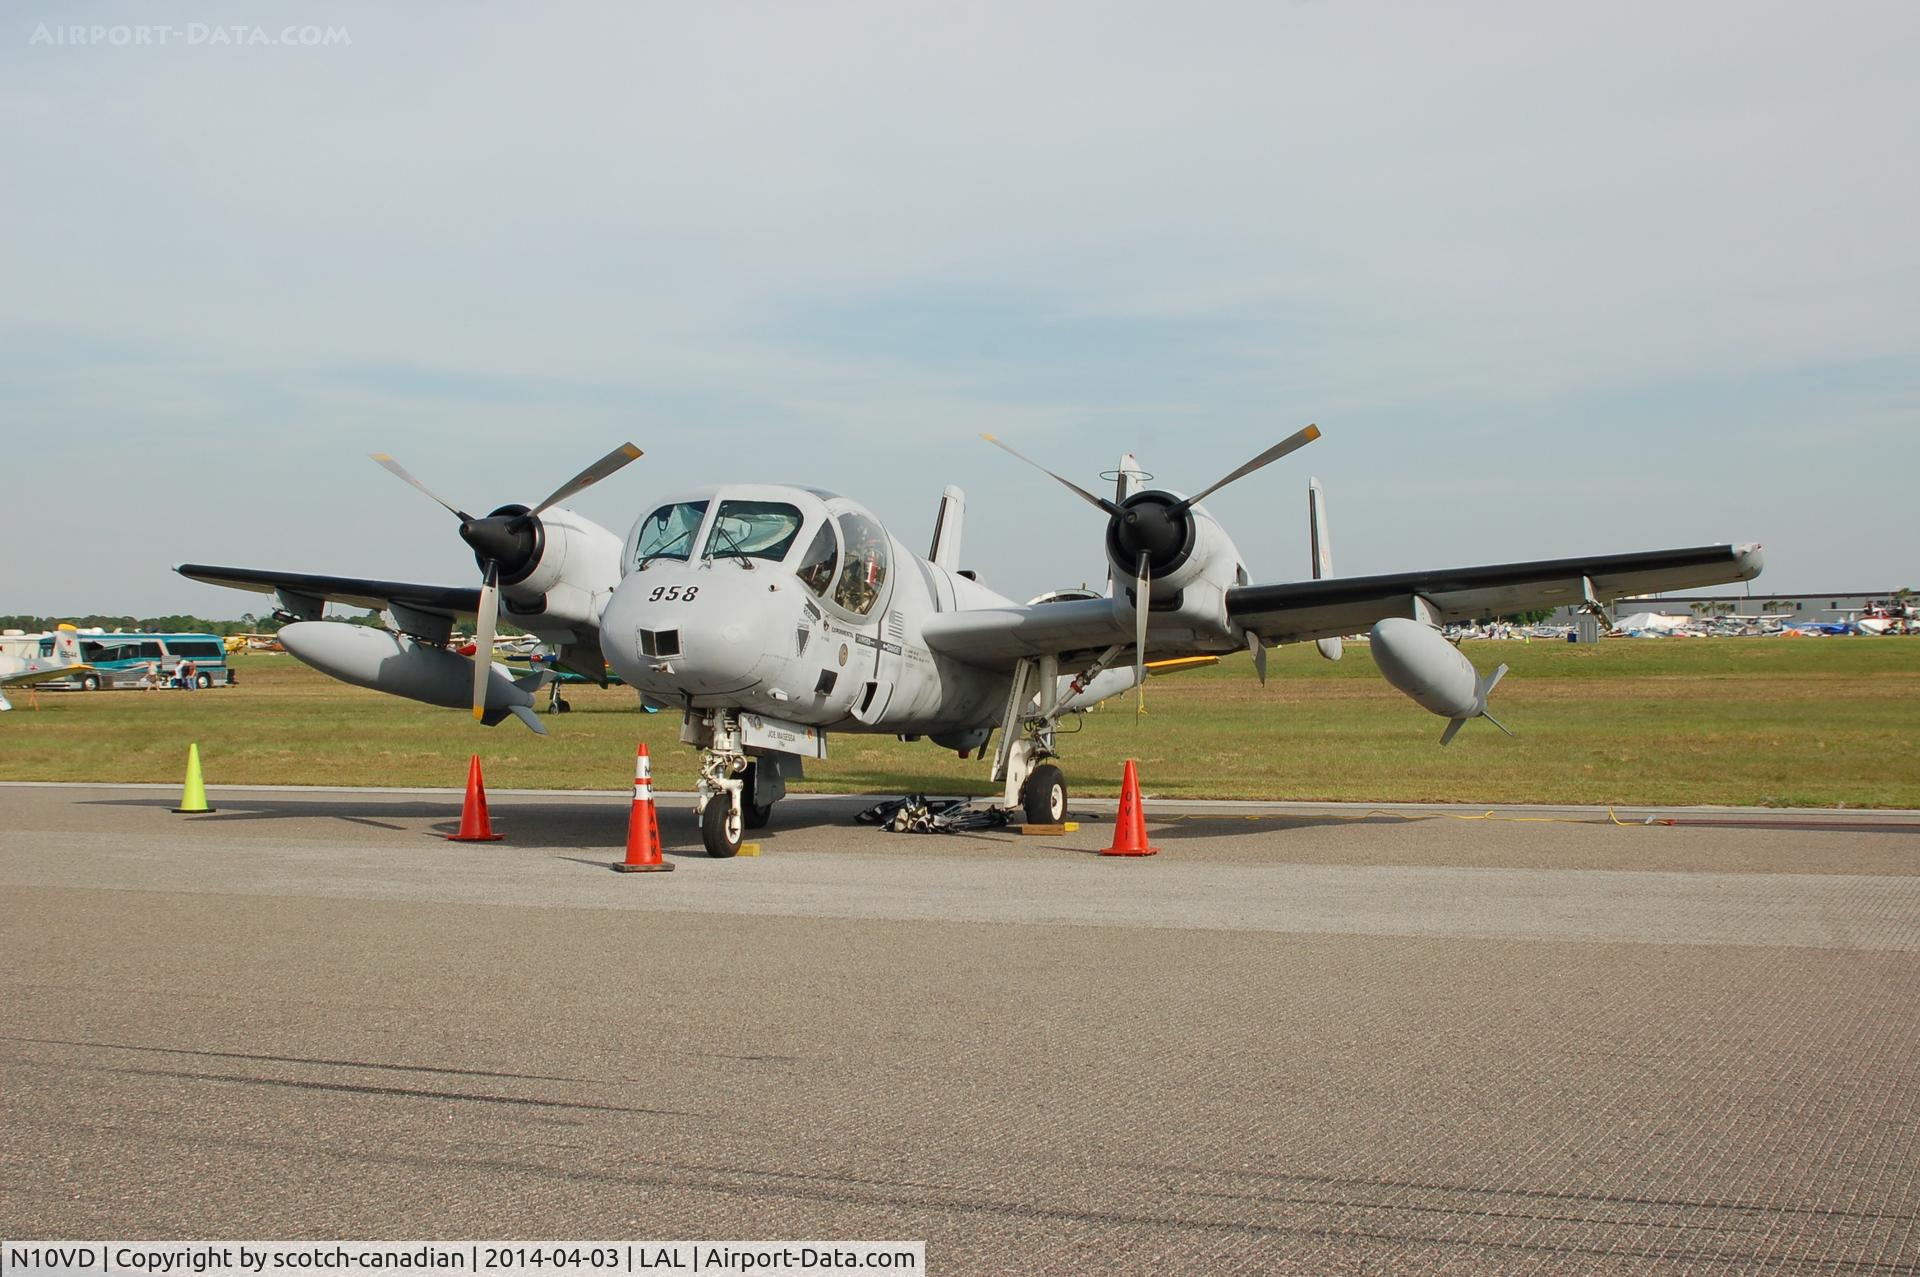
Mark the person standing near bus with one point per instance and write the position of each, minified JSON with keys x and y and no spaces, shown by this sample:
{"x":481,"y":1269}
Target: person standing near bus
{"x":180,"y":668}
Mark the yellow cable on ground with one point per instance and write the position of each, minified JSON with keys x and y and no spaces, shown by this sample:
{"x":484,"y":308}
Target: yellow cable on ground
{"x":1448,"y":815}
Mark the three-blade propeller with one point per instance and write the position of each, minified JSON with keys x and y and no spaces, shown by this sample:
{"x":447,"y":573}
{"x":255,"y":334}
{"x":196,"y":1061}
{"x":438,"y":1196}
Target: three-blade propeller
{"x":1153,"y":526}
{"x":508,"y":536}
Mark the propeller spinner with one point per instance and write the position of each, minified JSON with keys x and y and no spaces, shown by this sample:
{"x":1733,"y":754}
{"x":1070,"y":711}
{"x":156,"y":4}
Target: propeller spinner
{"x":506,"y":544}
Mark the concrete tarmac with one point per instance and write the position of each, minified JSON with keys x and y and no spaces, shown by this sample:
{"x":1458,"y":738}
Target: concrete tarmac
{"x":1301,"y":1039}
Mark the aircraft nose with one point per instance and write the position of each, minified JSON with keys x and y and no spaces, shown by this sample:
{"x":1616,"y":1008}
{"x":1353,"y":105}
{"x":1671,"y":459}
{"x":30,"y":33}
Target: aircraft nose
{"x":675,"y":631}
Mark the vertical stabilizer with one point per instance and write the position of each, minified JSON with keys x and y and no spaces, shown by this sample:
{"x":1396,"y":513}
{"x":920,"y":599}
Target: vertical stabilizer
{"x":1127,"y":480}
{"x":946,"y":529}
{"x":1321,"y":551}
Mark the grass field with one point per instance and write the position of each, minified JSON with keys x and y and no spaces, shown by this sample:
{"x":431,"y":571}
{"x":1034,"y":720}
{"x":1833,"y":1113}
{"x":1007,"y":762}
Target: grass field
{"x":1739,"y":721}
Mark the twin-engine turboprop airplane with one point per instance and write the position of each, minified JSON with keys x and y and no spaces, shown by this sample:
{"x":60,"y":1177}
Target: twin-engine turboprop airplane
{"x":771,"y":616}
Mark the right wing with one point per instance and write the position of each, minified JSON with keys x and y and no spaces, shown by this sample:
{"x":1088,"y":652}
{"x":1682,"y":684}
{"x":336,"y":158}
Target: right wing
{"x":452,"y":601}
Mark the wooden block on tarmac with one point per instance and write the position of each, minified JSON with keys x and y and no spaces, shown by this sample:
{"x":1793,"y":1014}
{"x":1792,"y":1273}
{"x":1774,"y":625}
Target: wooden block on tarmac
{"x":749,"y":848}
{"x":1043,"y":830}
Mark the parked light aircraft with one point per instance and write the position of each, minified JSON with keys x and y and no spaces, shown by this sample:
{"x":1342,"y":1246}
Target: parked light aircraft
{"x":19,"y":671}
{"x":771,"y":615}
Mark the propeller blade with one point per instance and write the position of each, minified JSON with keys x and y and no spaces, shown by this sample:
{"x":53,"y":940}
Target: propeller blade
{"x":1142,"y":589}
{"x":486,"y":622}
{"x":591,"y":475}
{"x":400,"y":472}
{"x":1258,"y":647}
{"x":1292,"y":443}
{"x":1068,"y":484}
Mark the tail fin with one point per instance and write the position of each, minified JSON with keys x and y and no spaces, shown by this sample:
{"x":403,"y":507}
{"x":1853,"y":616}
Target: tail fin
{"x":1128,"y":479}
{"x":1481,"y":691}
{"x":1322,"y":553}
{"x":66,"y":647}
{"x":946,"y":529}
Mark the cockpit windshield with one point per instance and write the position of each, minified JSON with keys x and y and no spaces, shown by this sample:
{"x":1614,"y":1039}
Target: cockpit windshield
{"x":754,"y":530}
{"x":865,"y":573}
{"x":667,"y":533}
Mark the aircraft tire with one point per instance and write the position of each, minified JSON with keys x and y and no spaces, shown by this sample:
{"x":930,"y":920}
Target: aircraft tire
{"x":1045,"y":797}
{"x":719,"y":829}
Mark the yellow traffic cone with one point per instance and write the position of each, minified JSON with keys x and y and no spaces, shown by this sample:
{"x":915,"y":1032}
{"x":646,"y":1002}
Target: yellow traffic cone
{"x":193,"y":795}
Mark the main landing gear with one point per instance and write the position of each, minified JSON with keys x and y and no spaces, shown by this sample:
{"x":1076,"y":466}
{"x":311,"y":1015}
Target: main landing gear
{"x":734,"y":794}
{"x":1033,"y":783}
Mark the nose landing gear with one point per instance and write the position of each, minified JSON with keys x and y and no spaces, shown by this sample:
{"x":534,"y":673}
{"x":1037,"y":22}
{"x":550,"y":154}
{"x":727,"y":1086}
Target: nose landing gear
{"x":721,"y":824}
{"x":736,"y":792}
{"x":719,"y":793}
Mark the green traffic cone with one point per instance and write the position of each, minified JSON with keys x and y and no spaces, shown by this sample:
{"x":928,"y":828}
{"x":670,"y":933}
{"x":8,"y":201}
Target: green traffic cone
{"x":193,"y":795}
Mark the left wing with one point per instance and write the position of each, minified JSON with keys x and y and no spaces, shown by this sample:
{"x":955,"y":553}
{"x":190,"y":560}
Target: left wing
{"x":995,"y":638}
{"x":1350,"y":605}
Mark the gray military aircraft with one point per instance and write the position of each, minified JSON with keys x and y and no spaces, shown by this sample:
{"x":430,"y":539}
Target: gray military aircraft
{"x":771,"y":616}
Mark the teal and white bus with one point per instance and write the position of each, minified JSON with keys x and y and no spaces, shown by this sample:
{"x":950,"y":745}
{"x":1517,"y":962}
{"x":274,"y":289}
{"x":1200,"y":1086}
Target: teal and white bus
{"x":121,"y":660}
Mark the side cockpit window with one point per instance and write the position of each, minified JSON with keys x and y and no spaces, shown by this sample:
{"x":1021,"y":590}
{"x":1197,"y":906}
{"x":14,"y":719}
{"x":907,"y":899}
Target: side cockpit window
{"x":667,"y":533}
{"x":865,"y":572}
{"x":817,"y":565}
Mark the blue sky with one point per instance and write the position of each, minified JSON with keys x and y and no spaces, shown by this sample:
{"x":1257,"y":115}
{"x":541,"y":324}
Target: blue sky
{"x":1551,"y":281}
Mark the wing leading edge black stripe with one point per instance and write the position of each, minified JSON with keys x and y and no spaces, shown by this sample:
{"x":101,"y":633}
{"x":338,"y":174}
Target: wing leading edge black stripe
{"x":439,"y":598}
{"x":1251,"y":599}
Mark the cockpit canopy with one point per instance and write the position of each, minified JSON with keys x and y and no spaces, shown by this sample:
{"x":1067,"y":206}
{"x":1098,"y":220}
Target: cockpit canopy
{"x":667,"y":533}
{"x":753,"y":529}
{"x":863,"y":578}
{"x":847,"y":554}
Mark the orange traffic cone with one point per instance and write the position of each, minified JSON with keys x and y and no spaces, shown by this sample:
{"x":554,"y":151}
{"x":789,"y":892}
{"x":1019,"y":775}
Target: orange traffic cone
{"x":643,"y":824}
{"x":473,"y":812}
{"x":1130,"y":827}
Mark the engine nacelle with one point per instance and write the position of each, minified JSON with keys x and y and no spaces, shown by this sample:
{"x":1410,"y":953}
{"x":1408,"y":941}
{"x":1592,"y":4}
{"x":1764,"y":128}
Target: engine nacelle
{"x":557,"y":568}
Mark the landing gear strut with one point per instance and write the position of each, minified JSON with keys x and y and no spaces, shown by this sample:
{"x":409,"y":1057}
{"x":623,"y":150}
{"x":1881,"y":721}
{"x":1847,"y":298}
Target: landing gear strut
{"x":1034,"y":785}
{"x":732,"y":784}
{"x":719,"y":794}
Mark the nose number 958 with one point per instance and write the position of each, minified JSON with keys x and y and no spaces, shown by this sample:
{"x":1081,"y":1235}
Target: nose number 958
{"x":673,"y":594}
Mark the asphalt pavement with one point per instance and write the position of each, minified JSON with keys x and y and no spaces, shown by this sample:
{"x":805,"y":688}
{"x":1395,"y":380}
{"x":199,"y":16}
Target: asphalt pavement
{"x":1300,"y":1039}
